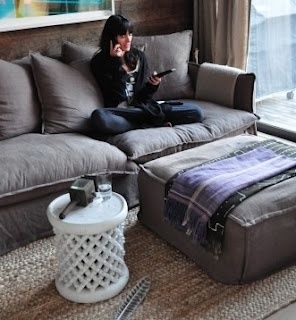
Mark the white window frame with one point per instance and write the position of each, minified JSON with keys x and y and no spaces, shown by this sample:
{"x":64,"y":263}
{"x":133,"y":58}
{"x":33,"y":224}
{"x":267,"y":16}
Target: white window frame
{"x":12,"y":24}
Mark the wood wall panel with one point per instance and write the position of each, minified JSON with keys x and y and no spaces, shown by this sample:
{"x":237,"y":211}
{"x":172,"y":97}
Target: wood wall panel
{"x":162,"y":16}
{"x":149,"y":16}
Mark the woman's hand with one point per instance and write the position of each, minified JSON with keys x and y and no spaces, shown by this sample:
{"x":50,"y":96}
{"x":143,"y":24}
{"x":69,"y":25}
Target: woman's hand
{"x":116,"y":50}
{"x":155,"y":81}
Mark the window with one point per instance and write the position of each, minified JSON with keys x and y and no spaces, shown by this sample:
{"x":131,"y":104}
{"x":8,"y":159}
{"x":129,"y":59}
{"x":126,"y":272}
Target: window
{"x":272,"y":57}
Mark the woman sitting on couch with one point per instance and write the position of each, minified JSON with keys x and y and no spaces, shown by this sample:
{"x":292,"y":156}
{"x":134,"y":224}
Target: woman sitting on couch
{"x":122,"y":74}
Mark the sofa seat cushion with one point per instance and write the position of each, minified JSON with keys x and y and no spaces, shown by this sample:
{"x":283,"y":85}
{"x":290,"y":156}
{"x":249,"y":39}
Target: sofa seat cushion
{"x":147,"y":144}
{"x":33,"y":165}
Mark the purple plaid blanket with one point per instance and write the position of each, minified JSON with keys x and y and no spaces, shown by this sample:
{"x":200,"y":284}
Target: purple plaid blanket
{"x":204,"y":188}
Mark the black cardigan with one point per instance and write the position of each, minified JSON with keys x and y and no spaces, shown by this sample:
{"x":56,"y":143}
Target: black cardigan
{"x":111,"y":78}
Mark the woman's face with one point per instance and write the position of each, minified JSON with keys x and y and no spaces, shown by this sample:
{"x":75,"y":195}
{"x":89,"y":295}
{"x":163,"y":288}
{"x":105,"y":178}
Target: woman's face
{"x":125,"y":41}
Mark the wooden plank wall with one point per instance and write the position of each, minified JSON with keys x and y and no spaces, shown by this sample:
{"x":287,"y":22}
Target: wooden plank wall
{"x":149,"y":17}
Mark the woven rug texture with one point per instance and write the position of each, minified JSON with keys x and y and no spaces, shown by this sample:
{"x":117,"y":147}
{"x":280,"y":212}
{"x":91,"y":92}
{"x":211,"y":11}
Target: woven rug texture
{"x":179,"y":288}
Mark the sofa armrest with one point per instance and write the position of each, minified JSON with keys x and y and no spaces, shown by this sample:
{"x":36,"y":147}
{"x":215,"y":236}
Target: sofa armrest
{"x":230,"y":87}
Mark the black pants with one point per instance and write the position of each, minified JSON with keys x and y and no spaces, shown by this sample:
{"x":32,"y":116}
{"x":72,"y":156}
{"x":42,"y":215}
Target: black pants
{"x":119,"y":120}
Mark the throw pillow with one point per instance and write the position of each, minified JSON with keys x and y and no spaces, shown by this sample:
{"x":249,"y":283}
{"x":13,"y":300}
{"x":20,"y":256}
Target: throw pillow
{"x":165,"y":52}
{"x":74,"y":52}
{"x":67,"y":95}
{"x":19,"y":104}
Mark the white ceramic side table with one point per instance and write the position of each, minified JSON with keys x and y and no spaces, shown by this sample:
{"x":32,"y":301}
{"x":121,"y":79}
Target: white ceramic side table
{"x":90,"y":248}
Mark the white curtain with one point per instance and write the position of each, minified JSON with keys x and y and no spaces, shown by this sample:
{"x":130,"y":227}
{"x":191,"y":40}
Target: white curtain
{"x":272,"y":46}
{"x":231,"y":43}
{"x":221,"y":30}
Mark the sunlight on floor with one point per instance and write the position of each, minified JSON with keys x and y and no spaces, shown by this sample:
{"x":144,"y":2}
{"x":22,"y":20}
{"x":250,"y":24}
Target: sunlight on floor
{"x":278,"y":111}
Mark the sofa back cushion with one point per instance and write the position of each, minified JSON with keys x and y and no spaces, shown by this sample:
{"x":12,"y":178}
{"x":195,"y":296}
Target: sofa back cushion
{"x":162,"y":52}
{"x":68,"y":94}
{"x":165,"y":52}
{"x":19,"y":104}
{"x":74,"y":52}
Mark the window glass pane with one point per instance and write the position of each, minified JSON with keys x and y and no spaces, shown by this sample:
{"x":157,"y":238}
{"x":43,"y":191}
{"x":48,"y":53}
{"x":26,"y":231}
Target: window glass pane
{"x":272,"y":57}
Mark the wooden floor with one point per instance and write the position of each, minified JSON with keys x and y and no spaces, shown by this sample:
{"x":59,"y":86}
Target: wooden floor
{"x":268,"y":136}
{"x":278,"y":111}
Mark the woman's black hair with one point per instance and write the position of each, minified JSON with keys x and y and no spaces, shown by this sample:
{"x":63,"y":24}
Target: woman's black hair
{"x":115,"y":25}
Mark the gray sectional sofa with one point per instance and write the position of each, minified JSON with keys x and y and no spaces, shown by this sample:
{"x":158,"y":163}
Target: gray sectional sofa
{"x":46,"y":140}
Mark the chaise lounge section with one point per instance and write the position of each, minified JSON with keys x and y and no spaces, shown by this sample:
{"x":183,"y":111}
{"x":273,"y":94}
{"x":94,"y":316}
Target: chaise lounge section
{"x":259,"y":232}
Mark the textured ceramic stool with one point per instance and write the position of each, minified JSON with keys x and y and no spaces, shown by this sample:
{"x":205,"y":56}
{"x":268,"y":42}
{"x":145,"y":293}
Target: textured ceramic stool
{"x":90,"y":248}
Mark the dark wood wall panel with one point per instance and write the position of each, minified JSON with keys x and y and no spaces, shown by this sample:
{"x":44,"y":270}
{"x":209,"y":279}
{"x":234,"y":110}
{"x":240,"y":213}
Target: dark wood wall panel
{"x":156,"y":17}
{"x":47,"y":40}
{"x":149,"y":16}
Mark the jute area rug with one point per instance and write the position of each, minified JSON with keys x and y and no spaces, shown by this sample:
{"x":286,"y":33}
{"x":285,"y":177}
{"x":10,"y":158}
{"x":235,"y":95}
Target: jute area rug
{"x":179,"y":289}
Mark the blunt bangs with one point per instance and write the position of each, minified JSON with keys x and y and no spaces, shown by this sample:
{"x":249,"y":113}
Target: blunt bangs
{"x":124,"y":27}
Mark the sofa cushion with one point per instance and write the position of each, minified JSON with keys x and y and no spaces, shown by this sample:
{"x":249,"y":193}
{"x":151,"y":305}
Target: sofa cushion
{"x":32,"y":165}
{"x":19,"y":104}
{"x":165,"y":52}
{"x":68,"y":94}
{"x":73,"y":52}
{"x":161,"y":54}
{"x":146,"y":144}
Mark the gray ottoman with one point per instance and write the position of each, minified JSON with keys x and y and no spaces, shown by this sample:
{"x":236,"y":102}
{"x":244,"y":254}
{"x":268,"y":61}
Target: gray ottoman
{"x":260,"y":233}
